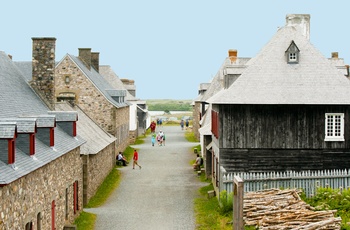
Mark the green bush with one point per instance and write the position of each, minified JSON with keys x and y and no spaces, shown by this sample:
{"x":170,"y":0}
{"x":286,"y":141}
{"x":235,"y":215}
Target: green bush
{"x":332,"y":199}
{"x":226,"y":202}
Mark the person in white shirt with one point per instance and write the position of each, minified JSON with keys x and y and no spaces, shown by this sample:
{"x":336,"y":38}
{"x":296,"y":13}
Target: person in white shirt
{"x":121,"y":158}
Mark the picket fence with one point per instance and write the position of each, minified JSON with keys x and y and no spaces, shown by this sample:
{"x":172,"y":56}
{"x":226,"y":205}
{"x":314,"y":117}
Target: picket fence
{"x":308,"y":181}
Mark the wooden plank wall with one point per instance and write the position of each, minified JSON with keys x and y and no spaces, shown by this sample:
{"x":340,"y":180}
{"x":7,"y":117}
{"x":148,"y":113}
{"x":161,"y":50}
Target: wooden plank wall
{"x":278,"y":126}
{"x":261,"y":160}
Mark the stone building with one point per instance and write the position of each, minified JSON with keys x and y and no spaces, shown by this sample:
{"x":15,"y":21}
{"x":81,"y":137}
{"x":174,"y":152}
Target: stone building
{"x":77,"y":80}
{"x":40,"y":163}
{"x":139,"y":118}
{"x":98,"y":152}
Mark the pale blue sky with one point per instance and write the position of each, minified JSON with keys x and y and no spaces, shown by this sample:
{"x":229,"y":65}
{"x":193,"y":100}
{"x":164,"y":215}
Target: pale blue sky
{"x":167,"y":47}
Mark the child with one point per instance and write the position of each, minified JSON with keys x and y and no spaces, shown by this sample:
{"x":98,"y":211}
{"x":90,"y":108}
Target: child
{"x":153,"y":138}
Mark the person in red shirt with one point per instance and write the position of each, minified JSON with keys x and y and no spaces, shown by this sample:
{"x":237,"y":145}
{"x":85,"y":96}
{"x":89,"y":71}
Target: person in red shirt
{"x":152,"y":126}
{"x":135,"y":158}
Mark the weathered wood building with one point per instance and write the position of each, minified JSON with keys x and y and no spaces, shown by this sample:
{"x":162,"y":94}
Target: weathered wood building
{"x":288,"y":110}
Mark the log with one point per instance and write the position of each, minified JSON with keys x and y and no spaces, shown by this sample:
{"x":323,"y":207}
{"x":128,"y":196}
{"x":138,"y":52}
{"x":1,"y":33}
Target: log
{"x":283,"y":209}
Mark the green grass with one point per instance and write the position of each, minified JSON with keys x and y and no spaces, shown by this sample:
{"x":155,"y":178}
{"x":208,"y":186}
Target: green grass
{"x":190,"y":136}
{"x":85,"y":221}
{"x":140,"y":140}
{"x":128,"y":153}
{"x":105,"y":189}
{"x":208,"y":214}
{"x":333,"y":199}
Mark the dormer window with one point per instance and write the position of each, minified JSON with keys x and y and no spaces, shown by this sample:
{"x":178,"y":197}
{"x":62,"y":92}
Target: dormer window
{"x":292,"y":53}
{"x":119,"y":99}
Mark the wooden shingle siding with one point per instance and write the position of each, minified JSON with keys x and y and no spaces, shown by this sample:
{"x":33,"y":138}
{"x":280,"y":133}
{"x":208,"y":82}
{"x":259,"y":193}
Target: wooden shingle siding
{"x":262,"y":160}
{"x":279,"y":126}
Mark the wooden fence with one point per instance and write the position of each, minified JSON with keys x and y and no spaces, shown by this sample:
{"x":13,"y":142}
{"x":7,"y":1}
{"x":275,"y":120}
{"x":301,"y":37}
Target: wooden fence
{"x":308,"y":181}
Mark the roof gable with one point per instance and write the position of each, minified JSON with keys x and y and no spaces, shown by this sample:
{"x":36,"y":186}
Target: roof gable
{"x":98,"y":81}
{"x":269,"y":79}
{"x":112,"y":78}
{"x":19,"y":103}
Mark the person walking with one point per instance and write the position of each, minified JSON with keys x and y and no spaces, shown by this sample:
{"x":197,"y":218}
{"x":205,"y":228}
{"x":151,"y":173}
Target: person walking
{"x":153,"y":138}
{"x":152,"y":126}
{"x":160,"y":138}
{"x":182,"y":124}
{"x":135,"y":158}
{"x":187,"y":123}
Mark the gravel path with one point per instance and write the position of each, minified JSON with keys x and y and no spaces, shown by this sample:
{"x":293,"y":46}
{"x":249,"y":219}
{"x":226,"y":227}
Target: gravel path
{"x":158,"y":196}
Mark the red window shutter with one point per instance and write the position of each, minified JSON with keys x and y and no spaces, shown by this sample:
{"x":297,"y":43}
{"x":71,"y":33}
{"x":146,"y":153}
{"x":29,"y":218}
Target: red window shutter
{"x":52,"y":137}
{"x":75,"y":197}
{"x":74,"y":128}
{"x":215,"y":123}
{"x":32,"y":144}
{"x":11,"y":151}
{"x":53,"y":224}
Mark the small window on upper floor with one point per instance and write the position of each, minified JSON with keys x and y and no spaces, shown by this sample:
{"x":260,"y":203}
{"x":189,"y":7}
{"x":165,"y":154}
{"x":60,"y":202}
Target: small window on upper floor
{"x":292,"y":53}
{"x":334,"y":127}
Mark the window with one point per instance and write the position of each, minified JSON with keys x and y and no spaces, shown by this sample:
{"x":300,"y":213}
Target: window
{"x":38,"y":221}
{"x":29,"y":226}
{"x":334,"y":127}
{"x":292,"y":53}
{"x":292,"y":57}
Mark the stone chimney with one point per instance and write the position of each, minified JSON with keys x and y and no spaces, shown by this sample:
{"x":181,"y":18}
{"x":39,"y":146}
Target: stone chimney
{"x":43,"y":69}
{"x":85,"y":56}
{"x":302,"y":21}
{"x":95,"y":60}
{"x":232,"y":54}
{"x":335,"y":55}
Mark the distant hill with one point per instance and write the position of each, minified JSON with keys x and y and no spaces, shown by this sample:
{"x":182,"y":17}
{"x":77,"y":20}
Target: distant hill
{"x":169,"y":105}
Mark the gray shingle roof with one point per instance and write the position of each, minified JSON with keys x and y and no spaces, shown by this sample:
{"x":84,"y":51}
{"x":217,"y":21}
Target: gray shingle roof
{"x":96,"y":138}
{"x":109,"y":75}
{"x":269,"y":79}
{"x":217,"y":83}
{"x":100,"y":83}
{"x":7,"y":129}
{"x":17,"y":99}
{"x":65,"y":115}
{"x":24,"y":125}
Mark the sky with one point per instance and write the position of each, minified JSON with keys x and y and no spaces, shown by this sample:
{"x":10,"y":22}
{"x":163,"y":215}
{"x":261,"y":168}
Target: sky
{"x":167,"y":47}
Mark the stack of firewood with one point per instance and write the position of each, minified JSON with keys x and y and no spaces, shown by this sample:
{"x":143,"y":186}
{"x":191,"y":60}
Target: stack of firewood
{"x":283,"y":209}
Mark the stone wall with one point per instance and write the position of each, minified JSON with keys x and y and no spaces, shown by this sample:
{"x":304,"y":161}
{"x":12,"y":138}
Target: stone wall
{"x":99,"y":166}
{"x":31,"y":196}
{"x":89,"y":99}
{"x":122,"y":128}
{"x":113,"y":120}
{"x":132,"y":136}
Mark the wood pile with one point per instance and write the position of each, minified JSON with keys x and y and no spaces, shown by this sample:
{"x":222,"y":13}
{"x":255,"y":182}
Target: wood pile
{"x":283,"y":209}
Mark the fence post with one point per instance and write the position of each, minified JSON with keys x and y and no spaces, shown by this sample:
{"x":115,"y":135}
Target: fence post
{"x":238,"y":191}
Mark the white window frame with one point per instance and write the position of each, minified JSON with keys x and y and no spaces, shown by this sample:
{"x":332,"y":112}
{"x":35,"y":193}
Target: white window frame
{"x":334,"y":131}
{"x":293,"y":57}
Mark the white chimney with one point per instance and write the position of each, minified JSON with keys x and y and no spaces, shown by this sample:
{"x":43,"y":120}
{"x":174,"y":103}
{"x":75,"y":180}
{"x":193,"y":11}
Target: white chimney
{"x":302,"y":21}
